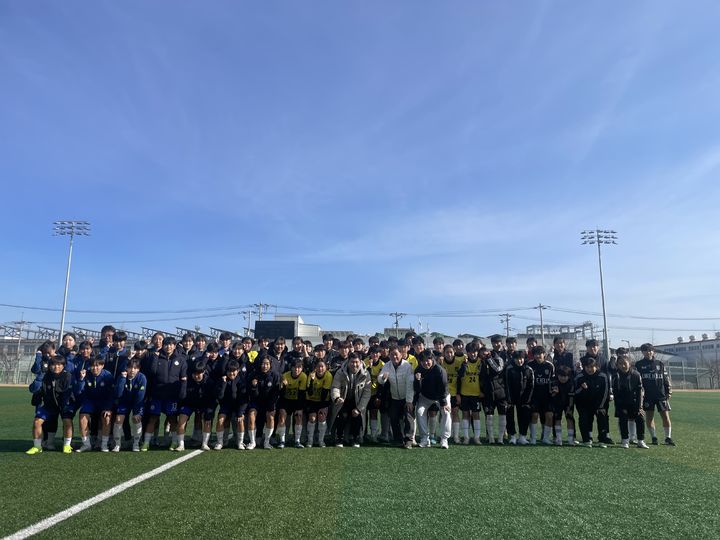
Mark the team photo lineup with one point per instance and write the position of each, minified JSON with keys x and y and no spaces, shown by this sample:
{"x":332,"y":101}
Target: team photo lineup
{"x":247,"y":394}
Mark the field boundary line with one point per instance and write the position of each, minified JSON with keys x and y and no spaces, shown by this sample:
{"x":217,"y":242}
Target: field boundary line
{"x":79,"y":507}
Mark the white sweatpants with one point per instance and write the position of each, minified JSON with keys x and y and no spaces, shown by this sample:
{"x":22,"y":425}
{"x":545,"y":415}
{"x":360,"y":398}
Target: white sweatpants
{"x":421,"y":415}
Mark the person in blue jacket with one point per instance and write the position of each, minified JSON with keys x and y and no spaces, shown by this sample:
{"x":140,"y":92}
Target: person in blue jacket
{"x":130,"y":392}
{"x":169,"y":384}
{"x":96,"y":388}
{"x":51,"y":391}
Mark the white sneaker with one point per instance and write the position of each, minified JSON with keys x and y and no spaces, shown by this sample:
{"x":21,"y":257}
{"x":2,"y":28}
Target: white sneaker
{"x":522,"y":441}
{"x":204,"y":447}
{"x":116,"y":448}
{"x":546,"y":442}
{"x":425,"y":443}
{"x":624,"y":444}
{"x":104,"y":449}
{"x":587,"y":444}
{"x":633,"y":441}
{"x":444,"y":443}
{"x":136,"y":447}
{"x":267,"y":445}
{"x":84,"y":448}
{"x":250,"y":446}
{"x":180,"y":447}
{"x":339,"y":445}
{"x":218,"y":446}
{"x":513,"y":440}
{"x":308,"y":445}
{"x":641,"y":444}
{"x":321,"y":444}
{"x":240,"y":445}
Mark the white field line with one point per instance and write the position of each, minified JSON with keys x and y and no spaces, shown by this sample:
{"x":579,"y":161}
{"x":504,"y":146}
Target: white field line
{"x":76,"y":509}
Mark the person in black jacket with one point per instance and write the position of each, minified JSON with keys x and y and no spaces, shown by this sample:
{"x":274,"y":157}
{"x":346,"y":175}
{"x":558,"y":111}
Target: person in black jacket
{"x":658,"y":390}
{"x":562,"y":396}
{"x":168,"y":374}
{"x":519,"y":382}
{"x":563,"y":357}
{"x":264,"y":393}
{"x":431,"y":389}
{"x":232,"y":395}
{"x":606,"y":366}
{"x":592,"y":395}
{"x":627,"y":389}
{"x":492,"y":375}
{"x":200,"y":400}
{"x":51,"y":393}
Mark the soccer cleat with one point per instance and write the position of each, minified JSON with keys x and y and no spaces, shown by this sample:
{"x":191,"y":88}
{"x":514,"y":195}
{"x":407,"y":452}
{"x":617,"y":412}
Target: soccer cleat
{"x":298,"y":444}
{"x":669,"y":441}
{"x":136,"y":447}
{"x":180,"y":448}
{"x":34,"y":450}
{"x":84,"y":448}
{"x":241,"y":445}
{"x":204,"y":447}
{"x":218,"y":446}
{"x":444,"y":444}
{"x":67,"y":449}
{"x":173,"y":447}
{"x":641,"y":444}
{"x":145,"y":447}
{"x":268,"y":446}
{"x":655,"y":441}
{"x":281,"y":445}
{"x":607,"y":440}
{"x":116,"y":448}
{"x":522,"y":441}
{"x":250,"y":445}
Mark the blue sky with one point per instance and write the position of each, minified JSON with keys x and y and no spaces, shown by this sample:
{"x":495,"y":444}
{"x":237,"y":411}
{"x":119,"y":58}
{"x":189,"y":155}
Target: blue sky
{"x":367,"y":156}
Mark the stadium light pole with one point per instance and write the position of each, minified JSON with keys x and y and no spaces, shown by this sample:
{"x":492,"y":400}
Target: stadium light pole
{"x":71,"y":228}
{"x":599,"y":237}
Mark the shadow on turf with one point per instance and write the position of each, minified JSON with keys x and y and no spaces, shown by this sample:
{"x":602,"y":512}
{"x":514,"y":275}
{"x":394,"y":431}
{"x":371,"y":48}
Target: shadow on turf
{"x":15,"y":445}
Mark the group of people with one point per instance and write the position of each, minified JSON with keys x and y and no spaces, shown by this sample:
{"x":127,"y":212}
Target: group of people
{"x":339,"y":392}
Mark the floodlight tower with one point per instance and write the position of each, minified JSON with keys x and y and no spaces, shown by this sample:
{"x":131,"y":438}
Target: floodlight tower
{"x":71,"y":228}
{"x":598,"y":237}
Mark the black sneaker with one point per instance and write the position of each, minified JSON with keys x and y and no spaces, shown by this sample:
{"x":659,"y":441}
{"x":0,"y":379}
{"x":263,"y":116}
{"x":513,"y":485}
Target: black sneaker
{"x":606,"y":440}
{"x":669,"y":441}
{"x":655,"y":441}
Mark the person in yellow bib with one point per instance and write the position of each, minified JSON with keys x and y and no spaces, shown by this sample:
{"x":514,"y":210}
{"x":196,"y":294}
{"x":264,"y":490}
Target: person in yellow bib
{"x":469,"y":393}
{"x":292,"y":402}
{"x":374,"y":365}
{"x":318,"y":400}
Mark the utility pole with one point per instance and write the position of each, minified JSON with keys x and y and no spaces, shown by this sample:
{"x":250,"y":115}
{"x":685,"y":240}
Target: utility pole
{"x":247,"y":315}
{"x":261,"y":308}
{"x":505,"y":319}
{"x":397,"y":316}
{"x":542,"y":325}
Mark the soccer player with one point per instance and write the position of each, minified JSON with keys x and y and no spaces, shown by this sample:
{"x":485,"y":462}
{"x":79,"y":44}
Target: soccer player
{"x":97,"y":390}
{"x":627,"y":389}
{"x":451,"y":364}
{"x":374,"y":365}
{"x":562,"y":393}
{"x":543,"y":371}
{"x":469,"y":392}
{"x":200,"y":401}
{"x":130,"y":393}
{"x":169,"y":383}
{"x":51,"y":393}
{"x":519,"y":382}
{"x":298,"y":352}
{"x":592,"y":394}
{"x":264,"y":392}
{"x":248,"y":343}
{"x":404,"y":348}
{"x":336,"y":361}
{"x":350,"y":394}
{"x":233,"y":397}
{"x":493,"y":378}
{"x":398,"y":375}
{"x":658,"y":390}
{"x":318,"y":401}
{"x":438,"y":346}
{"x":431,"y":389}
{"x":292,"y":401}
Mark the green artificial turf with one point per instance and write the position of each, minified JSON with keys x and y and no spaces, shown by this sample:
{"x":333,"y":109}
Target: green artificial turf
{"x":377,"y":492}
